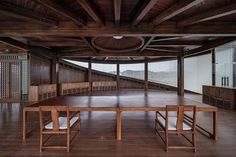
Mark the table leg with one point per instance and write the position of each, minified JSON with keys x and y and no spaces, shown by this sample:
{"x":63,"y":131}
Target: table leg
{"x":215,"y":126}
{"x":24,"y":124}
{"x":119,"y":121}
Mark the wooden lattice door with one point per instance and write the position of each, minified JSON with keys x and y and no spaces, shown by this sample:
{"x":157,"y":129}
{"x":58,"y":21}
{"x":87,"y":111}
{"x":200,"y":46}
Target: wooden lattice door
{"x":10,"y":77}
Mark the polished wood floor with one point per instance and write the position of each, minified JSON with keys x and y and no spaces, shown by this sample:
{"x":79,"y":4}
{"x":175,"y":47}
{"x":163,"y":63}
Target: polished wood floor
{"x":98,"y":138}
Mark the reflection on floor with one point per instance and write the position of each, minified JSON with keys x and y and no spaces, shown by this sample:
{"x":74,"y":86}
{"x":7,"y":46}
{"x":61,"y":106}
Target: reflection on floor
{"x":97,"y":136}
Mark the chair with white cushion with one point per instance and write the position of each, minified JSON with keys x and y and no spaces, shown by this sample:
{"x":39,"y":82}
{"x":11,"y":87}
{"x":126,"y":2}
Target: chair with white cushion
{"x":173,"y":121}
{"x":55,"y":124}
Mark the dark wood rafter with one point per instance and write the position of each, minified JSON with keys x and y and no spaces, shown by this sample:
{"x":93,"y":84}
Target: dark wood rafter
{"x":108,"y":54}
{"x":146,"y":44}
{"x":26,"y":14}
{"x":176,"y":43}
{"x":62,"y":11}
{"x":167,"y":29}
{"x":143,"y":11}
{"x":89,"y":8}
{"x":125,"y":61}
{"x":90,"y":45}
{"x":175,"y":9}
{"x":117,"y":11}
{"x":14,"y":43}
{"x":163,"y":49}
{"x":209,"y":15}
{"x":210,"y":45}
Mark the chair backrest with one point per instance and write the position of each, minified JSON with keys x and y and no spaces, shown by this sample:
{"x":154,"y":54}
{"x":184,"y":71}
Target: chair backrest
{"x":54,"y":112}
{"x":181,"y":109}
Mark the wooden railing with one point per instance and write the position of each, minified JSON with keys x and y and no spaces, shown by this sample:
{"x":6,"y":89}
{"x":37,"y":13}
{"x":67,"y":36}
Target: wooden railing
{"x":104,"y":85}
{"x":73,"y":88}
{"x":42,"y":92}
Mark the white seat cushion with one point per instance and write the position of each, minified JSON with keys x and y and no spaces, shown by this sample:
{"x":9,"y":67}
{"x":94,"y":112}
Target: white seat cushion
{"x":172,"y":121}
{"x":62,"y":123}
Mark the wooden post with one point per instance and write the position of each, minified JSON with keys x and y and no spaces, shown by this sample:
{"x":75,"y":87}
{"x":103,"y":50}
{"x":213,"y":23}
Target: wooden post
{"x":146,"y":74}
{"x":54,"y":71}
{"x":90,"y":75}
{"x":180,"y":75}
{"x":118,"y":125}
{"x":118,"y":76}
{"x":213,"y":60}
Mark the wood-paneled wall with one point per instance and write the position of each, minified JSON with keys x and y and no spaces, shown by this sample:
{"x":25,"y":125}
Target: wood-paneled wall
{"x":69,"y":73}
{"x":40,"y":70}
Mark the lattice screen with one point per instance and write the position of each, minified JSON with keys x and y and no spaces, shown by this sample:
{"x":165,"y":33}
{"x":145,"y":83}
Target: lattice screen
{"x":10,"y":76}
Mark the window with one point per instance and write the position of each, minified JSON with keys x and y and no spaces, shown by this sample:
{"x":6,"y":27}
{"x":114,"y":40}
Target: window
{"x":132,"y":70}
{"x":108,"y":68}
{"x":225,"y":66}
{"x":83,"y":64}
{"x":164,"y":72}
{"x":197,"y":72}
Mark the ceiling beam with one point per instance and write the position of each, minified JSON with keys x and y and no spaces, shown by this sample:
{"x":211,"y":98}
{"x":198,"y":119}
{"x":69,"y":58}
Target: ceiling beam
{"x":86,"y":40}
{"x":61,"y":11}
{"x":177,"y":43}
{"x":210,"y":45}
{"x":57,"y":43}
{"x":26,"y":14}
{"x":88,"y":53}
{"x":146,"y":44}
{"x":175,"y":9}
{"x":166,"y":29}
{"x":209,"y":15}
{"x":117,"y":8}
{"x":13,"y":43}
{"x":143,"y":11}
{"x":91,"y":11}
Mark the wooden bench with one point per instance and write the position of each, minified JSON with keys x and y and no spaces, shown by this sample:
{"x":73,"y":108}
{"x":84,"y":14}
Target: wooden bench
{"x":73,"y":88}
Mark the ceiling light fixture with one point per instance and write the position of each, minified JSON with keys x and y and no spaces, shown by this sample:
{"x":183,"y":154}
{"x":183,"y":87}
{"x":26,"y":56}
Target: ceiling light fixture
{"x":118,"y":37}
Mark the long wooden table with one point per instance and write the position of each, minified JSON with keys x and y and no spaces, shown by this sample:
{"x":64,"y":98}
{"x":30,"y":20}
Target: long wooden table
{"x":120,"y":104}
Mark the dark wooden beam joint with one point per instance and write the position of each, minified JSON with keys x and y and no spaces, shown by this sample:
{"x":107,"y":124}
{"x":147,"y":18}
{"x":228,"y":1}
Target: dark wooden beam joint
{"x":92,"y":11}
{"x":117,"y":8}
{"x":175,"y":9}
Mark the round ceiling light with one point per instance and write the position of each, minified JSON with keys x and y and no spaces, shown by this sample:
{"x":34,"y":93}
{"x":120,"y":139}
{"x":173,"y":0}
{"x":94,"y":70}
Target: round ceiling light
{"x":117,"y":37}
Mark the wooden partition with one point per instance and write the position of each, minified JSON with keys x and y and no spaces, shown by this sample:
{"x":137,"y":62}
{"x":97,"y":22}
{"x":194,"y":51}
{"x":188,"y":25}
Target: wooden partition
{"x":42,"y":92}
{"x":223,"y":97}
{"x":104,"y":85}
{"x":73,"y":88}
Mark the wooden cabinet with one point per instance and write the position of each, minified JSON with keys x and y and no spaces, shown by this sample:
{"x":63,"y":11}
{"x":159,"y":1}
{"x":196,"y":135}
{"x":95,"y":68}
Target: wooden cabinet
{"x":223,"y":97}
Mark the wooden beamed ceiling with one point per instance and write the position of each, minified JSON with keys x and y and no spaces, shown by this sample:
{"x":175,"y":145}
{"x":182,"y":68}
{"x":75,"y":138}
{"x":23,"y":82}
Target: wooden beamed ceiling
{"x":168,"y":27}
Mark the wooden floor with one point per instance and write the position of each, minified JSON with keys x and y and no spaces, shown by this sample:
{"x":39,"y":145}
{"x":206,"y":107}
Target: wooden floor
{"x":98,"y":138}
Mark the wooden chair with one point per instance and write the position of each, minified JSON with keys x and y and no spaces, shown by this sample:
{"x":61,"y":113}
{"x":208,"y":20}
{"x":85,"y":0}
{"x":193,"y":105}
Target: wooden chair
{"x":52,"y":123}
{"x":175,"y":123}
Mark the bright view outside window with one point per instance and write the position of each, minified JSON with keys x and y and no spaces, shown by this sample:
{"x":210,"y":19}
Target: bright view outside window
{"x":108,"y":68}
{"x":163,"y":72}
{"x":132,"y":70}
{"x":83,"y":64}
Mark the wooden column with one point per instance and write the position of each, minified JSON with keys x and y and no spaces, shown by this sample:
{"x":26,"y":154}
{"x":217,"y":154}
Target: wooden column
{"x":213,"y":60}
{"x":54,"y":71}
{"x":146,"y":74}
{"x":90,"y":75}
{"x":180,"y":75}
{"x":118,"y":76}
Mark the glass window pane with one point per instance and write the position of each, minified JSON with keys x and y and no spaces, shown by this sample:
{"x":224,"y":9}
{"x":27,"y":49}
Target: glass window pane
{"x":132,"y":70}
{"x":164,"y":72}
{"x":108,"y":68}
{"x":224,"y":66}
{"x":83,"y":64}
{"x":197,"y":72}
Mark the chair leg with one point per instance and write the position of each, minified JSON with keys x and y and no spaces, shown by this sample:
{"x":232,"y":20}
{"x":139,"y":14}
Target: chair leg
{"x":68,"y":141}
{"x":41,"y":142}
{"x":166,"y":140}
{"x":194,"y":142}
